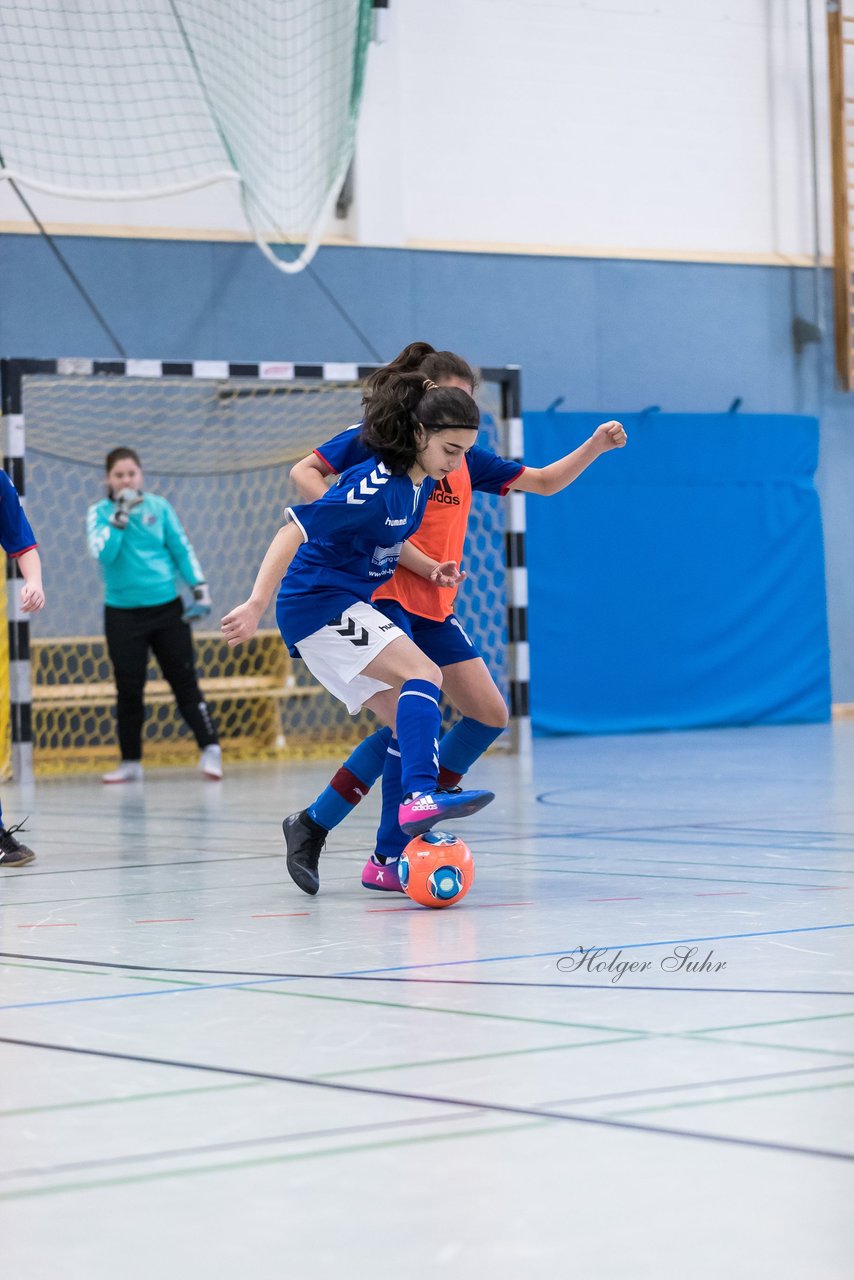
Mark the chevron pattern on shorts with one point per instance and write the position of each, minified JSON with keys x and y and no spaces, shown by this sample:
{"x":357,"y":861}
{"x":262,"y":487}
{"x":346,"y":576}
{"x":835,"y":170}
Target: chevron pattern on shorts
{"x":356,"y":635}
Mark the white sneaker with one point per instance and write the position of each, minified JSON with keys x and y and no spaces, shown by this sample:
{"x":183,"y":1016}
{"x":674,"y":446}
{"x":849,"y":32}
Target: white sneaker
{"x":210,"y":762}
{"x":128,"y":771}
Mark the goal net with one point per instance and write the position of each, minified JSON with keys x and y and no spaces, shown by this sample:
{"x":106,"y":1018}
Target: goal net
{"x":218,"y":442}
{"x":113,"y":100}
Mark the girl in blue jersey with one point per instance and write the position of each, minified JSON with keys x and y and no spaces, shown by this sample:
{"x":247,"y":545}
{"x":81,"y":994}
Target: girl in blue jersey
{"x":421,"y":601}
{"x":140,"y":546}
{"x":331,"y":556}
{"x":19,"y":542}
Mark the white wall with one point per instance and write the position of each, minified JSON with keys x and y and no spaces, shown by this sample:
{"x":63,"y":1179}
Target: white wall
{"x":639,"y":127}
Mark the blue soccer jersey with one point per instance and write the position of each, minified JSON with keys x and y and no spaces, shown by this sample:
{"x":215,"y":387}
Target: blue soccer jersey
{"x":488,"y":471}
{"x":443,"y":532}
{"x":16,"y":535}
{"x":352,"y":540}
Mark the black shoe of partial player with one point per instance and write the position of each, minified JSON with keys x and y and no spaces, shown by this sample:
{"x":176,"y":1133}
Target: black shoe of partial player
{"x":305,"y":839}
{"x":12,"y":852}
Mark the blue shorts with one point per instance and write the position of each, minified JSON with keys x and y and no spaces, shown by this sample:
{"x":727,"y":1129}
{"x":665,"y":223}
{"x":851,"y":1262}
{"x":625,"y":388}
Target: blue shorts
{"x":443,"y":642}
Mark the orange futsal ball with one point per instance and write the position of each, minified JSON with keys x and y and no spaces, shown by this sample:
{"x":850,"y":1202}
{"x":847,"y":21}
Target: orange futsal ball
{"x":436,"y":869}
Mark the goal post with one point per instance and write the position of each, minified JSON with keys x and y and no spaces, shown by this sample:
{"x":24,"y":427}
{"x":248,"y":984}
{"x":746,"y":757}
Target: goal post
{"x":218,"y":440}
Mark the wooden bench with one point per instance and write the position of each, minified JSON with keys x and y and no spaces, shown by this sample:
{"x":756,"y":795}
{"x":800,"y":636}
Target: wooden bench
{"x":256,"y":692}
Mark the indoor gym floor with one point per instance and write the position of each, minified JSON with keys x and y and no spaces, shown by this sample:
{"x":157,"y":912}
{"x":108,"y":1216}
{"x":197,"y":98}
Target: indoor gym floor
{"x":206,"y":1073}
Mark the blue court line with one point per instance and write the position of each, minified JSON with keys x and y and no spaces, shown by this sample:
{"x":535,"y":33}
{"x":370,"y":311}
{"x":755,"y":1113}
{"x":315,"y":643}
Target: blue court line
{"x":508,"y":984}
{"x":436,"y":964}
{"x":623,"y":946}
{"x":631,"y":874}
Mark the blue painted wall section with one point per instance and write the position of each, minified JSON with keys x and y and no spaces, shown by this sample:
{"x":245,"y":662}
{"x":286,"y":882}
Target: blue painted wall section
{"x":680,"y":582}
{"x":689,"y":337}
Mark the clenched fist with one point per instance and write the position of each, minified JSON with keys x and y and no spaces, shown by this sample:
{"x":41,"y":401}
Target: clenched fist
{"x":609,"y":435}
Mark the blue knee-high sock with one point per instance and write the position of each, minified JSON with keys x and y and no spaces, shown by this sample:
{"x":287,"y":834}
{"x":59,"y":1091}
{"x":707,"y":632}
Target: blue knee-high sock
{"x":418,"y":721}
{"x":352,"y":781}
{"x":390,"y":839}
{"x":461,"y":746}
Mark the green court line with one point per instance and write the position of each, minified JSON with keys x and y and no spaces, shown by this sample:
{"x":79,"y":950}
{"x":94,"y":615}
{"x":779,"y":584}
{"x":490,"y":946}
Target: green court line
{"x":55,"y":968}
{"x":287,"y":1158}
{"x":458,"y":1013}
{"x":102,"y":973}
{"x":129,"y":1097}
{"x":779,"y":1022}
{"x":629,"y":1033}
{"x":473,"y":1057}
{"x":741,"y":1097}
{"x":764,"y":1044}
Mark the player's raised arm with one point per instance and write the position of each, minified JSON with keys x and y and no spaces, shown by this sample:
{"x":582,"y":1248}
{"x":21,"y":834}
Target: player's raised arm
{"x":557,"y":475}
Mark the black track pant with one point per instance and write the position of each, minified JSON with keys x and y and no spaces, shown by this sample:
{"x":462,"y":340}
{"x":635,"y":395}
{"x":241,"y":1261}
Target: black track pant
{"x":131,"y":633}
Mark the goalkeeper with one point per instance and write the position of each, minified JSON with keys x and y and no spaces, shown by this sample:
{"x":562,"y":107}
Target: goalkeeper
{"x":141,"y":546}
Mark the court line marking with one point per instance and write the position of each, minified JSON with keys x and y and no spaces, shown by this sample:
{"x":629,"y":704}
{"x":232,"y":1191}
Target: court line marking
{"x":377,"y":975}
{"x":744,"y":1097}
{"x":535,"y":1113}
{"x":630,"y":1033}
{"x":320,"y":1153}
{"x":157,"y":1095}
{"x":629,"y":874}
{"x":80,"y":1103}
{"x":699,"y":1084}
{"x":140,"y":1157}
{"x":380,"y":1125}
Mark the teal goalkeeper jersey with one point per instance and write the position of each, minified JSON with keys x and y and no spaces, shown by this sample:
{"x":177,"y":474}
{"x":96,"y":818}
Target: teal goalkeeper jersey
{"x":140,"y":563}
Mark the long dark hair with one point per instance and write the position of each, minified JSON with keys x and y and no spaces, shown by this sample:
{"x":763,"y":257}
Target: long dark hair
{"x":399,"y":404}
{"x":420,"y":357}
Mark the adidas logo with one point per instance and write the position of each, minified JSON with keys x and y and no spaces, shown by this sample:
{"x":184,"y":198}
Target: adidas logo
{"x":424,"y":804}
{"x":443,"y":493}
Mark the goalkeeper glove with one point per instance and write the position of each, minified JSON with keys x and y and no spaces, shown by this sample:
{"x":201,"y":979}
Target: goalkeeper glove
{"x":202,"y":603}
{"x":125,"y":503}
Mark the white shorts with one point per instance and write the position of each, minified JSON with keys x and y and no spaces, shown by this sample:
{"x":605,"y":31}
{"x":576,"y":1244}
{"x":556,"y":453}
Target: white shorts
{"x":338,"y":653}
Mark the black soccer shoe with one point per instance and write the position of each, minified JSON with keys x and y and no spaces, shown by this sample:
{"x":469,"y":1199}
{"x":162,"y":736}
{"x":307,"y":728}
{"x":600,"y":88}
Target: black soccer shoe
{"x":305,"y":839}
{"x":12,"y":852}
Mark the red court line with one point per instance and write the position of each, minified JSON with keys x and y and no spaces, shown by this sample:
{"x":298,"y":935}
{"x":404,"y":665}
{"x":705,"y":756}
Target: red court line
{"x":69,"y":924}
{"x":168,"y":920}
{"x":279,"y":915}
{"x":637,"y":899}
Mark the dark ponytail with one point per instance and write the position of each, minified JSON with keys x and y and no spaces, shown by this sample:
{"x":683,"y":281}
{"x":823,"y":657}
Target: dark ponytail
{"x":420,"y":357}
{"x":395,"y":408}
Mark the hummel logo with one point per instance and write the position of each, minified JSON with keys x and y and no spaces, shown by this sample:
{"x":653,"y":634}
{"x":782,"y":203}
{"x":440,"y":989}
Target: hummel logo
{"x":395,"y":522}
{"x":369,"y":485}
